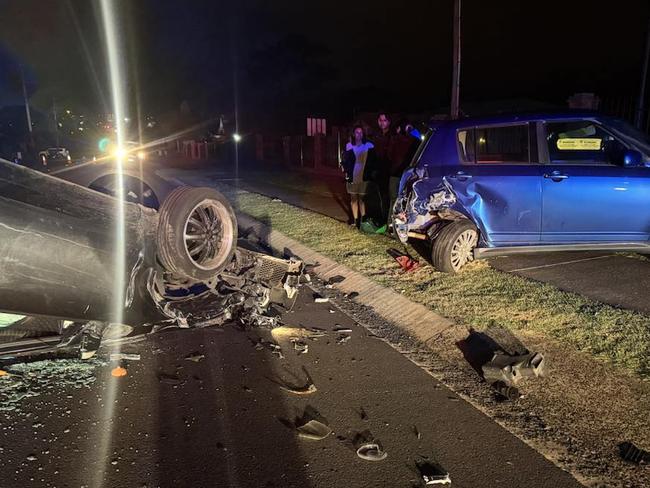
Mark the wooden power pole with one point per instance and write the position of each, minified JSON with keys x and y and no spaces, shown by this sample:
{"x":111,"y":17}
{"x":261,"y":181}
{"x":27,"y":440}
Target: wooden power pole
{"x":455,"y":78}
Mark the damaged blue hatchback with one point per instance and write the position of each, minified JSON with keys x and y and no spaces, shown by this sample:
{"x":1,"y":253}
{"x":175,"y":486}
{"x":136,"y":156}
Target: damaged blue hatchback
{"x":522,"y":184}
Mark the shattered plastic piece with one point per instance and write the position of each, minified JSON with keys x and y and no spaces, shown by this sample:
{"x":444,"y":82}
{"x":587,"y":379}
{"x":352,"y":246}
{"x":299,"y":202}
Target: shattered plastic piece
{"x":169,"y":379}
{"x":195,"y":357}
{"x":305,"y":388}
{"x":321,"y":300}
{"x":313,"y":430}
{"x":118,"y":372}
{"x":632,"y":454}
{"x":300,"y":347}
{"x":342,"y":330}
{"x":371,"y":452}
{"x":433,"y":474}
{"x":276,"y":200}
{"x":343,"y":338}
{"x":405,"y":261}
{"x":118,"y":356}
{"x":283,"y":332}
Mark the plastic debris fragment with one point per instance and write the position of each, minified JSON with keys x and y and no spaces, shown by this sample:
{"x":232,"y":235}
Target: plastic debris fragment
{"x":118,"y":356}
{"x":118,"y":372}
{"x":313,"y":430}
{"x":195,"y":357}
{"x":433,"y":474}
{"x":632,"y":454}
{"x":371,"y":451}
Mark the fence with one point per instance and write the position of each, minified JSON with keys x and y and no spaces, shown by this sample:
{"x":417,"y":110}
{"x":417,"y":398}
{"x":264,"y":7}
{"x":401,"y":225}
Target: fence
{"x":317,"y":153}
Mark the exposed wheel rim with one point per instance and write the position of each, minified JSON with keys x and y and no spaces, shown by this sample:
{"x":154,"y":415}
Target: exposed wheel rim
{"x":208,"y":234}
{"x":462,"y":250}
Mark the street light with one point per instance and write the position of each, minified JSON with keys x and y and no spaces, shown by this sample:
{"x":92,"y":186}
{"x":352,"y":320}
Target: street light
{"x":236,"y":137}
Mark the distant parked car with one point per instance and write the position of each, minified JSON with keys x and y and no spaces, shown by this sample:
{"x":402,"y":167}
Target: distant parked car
{"x":55,"y":157}
{"x":520,"y":184}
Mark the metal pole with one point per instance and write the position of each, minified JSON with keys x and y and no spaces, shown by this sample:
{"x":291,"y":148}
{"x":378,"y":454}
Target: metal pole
{"x":641,"y":107}
{"x":29,"y":115}
{"x":56,"y":121}
{"x":455,"y":78}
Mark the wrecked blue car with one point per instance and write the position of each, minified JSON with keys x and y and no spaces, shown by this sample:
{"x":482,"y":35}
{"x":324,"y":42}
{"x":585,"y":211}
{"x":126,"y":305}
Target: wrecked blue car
{"x":522,"y":184}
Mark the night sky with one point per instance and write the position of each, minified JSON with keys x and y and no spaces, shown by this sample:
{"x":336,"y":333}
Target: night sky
{"x":288,"y":59}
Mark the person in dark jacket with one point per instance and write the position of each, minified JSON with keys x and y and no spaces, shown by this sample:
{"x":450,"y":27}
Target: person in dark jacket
{"x":357,"y":163}
{"x":405,"y":144}
{"x":384,"y":142}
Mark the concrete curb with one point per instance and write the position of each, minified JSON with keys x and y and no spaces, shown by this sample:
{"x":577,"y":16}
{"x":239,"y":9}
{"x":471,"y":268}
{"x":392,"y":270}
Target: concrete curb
{"x":414,"y":318}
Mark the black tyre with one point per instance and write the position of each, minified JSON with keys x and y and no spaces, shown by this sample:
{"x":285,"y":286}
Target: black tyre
{"x":454,"y":246}
{"x":197,"y":233}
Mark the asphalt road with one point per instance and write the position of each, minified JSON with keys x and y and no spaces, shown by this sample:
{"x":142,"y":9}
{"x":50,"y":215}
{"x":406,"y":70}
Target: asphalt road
{"x":225,"y":421}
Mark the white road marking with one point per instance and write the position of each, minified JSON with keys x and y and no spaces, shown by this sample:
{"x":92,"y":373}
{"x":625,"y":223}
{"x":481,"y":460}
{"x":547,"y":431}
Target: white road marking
{"x":559,"y":264}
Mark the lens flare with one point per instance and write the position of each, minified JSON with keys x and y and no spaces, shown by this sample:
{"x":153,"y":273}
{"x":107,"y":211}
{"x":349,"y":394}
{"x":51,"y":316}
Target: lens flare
{"x":117,"y":82}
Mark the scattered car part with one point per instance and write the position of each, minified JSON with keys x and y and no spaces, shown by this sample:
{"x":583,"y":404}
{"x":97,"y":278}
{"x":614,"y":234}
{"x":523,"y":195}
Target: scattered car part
{"x":118,"y":372}
{"x":371,"y":452}
{"x":122,"y":356}
{"x":306,"y":387}
{"x":630,"y":453}
{"x":432,"y":474}
{"x":512,"y":369}
{"x":194,"y":357}
{"x":313,"y":430}
{"x":299,"y":346}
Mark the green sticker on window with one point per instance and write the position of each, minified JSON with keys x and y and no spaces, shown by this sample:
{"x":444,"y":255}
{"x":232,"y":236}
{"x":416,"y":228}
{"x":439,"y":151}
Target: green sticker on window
{"x":579,"y":144}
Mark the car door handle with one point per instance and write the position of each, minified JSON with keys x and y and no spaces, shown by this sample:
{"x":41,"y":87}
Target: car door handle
{"x":461,"y":175}
{"x":556,"y":176}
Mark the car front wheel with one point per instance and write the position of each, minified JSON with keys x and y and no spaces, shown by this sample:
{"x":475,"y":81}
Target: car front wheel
{"x":454,"y":246}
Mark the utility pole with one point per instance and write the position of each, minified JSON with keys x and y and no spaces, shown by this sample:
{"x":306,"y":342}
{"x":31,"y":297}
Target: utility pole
{"x":455,"y":77}
{"x":27,"y":112}
{"x":56,"y":121}
{"x":640,"y":109}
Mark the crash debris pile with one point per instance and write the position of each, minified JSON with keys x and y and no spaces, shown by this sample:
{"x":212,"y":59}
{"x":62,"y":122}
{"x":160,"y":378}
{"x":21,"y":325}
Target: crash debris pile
{"x":28,"y":380}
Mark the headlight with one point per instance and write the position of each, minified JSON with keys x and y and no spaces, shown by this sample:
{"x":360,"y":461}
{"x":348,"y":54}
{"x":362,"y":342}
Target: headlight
{"x":142,"y":155}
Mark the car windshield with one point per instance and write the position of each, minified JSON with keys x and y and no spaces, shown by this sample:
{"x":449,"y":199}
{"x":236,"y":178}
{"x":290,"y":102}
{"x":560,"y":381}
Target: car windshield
{"x":631,"y":134}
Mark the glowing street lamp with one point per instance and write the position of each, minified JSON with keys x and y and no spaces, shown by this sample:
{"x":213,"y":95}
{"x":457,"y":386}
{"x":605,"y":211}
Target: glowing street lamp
{"x":236,"y":137}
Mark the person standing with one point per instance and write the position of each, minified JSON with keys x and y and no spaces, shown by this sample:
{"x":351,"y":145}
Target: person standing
{"x":357,"y":163}
{"x":384,"y":143}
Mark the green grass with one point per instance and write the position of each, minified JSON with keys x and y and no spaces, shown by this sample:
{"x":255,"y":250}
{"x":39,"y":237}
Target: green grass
{"x":479,"y":296}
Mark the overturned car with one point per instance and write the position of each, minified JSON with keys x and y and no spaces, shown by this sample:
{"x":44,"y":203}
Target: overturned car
{"x":520,"y":184}
{"x":60,"y":247}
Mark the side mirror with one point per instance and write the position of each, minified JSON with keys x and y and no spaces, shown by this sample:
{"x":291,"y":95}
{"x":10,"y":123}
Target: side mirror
{"x":632,"y":158}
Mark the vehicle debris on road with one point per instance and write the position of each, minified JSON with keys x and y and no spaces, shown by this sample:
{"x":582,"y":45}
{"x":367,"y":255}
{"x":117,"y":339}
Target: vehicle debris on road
{"x":119,"y":356}
{"x":511,"y":369}
{"x":632,"y":454}
{"x":195,"y":357}
{"x":432,"y":473}
{"x":371,"y":452}
{"x":118,"y":372}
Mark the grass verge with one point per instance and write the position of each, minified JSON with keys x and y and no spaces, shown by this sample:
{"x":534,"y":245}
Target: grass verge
{"x":478,"y":297}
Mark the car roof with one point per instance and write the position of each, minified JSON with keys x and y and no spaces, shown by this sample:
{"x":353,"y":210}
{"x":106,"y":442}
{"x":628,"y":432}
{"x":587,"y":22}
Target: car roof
{"x":520,"y":117}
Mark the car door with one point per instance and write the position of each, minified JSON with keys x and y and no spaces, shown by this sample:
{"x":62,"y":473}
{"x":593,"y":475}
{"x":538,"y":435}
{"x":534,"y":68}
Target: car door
{"x":588,"y":194}
{"x":498,"y":182}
